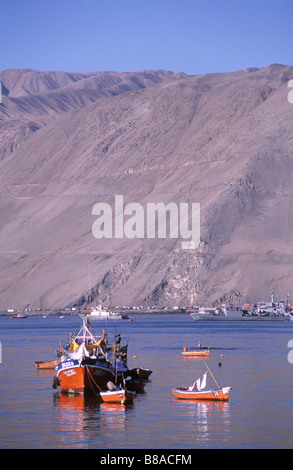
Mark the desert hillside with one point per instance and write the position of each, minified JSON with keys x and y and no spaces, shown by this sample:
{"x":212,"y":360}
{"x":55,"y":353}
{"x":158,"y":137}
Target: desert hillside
{"x":69,"y":141}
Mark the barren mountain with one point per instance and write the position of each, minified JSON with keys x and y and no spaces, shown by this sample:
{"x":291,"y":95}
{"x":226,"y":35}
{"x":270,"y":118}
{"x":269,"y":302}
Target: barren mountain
{"x":69,"y":141}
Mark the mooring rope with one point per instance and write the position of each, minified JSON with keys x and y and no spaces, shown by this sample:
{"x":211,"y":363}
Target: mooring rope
{"x":92,"y":379}
{"x":211,"y":373}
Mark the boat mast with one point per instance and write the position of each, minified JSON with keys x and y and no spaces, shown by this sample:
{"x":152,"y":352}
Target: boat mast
{"x":90,"y":305}
{"x":272,"y":296}
{"x":211,"y":373}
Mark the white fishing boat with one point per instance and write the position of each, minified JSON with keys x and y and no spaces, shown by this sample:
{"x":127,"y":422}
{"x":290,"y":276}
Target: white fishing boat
{"x":98,"y":313}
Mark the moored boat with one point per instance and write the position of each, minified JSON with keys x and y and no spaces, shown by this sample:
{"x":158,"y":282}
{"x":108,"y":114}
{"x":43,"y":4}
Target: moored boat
{"x":195,"y":353}
{"x":119,"y":395}
{"x":98,"y":313}
{"x":47,"y":365}
{"x":19,"y":315}
{"x":135,"y":384}
{"x":212,"y":394}
{"x":85,"y":366}
{"x":226,"y":313}
{"x":198,"y":390}
{"x":91,"y":362}
{"x":265,"y":311}
{"x":140,"y":373}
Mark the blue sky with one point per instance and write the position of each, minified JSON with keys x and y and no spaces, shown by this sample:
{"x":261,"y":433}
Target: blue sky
{"x":193,"y":36}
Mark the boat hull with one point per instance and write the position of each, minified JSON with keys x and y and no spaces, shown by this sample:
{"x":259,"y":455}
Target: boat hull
{"x":92,"y":376}
{"x":51,"y":365}
{"x":106,"y":317}
{"x":18,"y":317}
{"x":213,"y":395}
{"x":76,"y":378}
{"x":195,"y":353}
{"x":211,"y":317}
{"x":135,"y":385}
{"x":118,"y":396}
{"x":139,"y":373}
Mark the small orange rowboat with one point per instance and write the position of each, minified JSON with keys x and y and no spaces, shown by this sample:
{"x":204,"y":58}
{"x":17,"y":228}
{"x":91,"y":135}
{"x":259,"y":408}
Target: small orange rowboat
{"x":195,"y":353}
{"x":118,"y":396}
{"x":214,"y":395}
{"x":197,"y":391}
{"x":47,"y":365}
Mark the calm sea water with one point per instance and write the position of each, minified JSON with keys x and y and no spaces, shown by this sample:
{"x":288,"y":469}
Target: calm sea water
{"x":254,"y":361}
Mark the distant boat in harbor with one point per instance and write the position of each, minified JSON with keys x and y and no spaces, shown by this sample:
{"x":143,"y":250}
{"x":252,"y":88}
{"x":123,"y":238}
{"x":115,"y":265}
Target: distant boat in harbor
{"x":101,"y":314}
{"x":19,"y":315}
{"x":265,"y":311}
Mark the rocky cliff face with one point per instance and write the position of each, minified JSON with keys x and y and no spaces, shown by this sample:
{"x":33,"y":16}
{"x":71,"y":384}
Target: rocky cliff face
{"x":69,"y":141}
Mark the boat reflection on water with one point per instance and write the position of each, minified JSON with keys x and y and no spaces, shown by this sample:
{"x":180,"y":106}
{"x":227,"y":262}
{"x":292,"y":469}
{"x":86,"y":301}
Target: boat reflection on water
{"x":77,"y":418}
{"x":113,"y":417}
{"x":203,"y":405}
{"x":200,"y":418}
{"x":82,"y":417}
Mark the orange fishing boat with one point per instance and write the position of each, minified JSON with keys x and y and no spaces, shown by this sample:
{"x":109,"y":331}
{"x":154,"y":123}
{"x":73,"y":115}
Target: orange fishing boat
{"x":85,"y":366}
{"x":195,"y":353}
{"x":118,"y":396}
{"x":90,"y":363}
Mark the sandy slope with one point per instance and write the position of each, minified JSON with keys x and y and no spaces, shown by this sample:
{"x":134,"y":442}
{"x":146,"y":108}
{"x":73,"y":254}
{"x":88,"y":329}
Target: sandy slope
{"x":69,"y":141}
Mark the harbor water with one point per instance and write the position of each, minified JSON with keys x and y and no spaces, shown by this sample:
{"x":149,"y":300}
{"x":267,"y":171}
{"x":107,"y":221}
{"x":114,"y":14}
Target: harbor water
{"x":251,"y":357}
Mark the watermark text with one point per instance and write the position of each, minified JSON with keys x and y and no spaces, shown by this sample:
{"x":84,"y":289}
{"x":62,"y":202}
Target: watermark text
{"x":290,"y":94}
{"x":151,"y":220}
{"x":290,"y":354}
